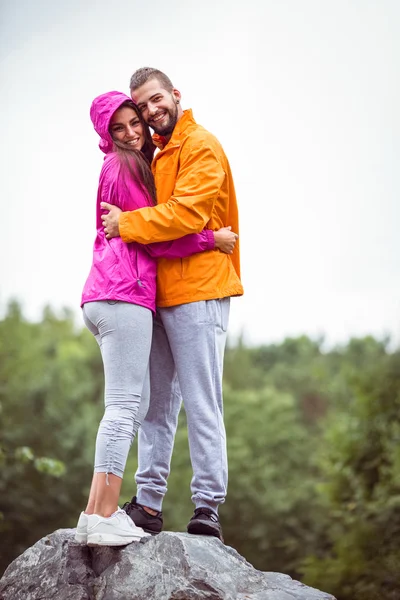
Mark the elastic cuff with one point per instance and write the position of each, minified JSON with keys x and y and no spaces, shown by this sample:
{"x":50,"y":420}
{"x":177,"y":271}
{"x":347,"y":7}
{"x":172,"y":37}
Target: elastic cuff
{"x":210,"y":239}
{"x":123,"y":225}
{"x":149,"y":499}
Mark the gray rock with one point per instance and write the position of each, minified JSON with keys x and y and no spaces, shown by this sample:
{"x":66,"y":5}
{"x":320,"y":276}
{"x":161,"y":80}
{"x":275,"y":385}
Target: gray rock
{"x":170,"y":566}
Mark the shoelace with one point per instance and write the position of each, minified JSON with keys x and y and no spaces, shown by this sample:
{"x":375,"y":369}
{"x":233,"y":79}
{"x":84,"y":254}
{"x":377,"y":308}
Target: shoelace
{"x":128,"y":505}
{"x":205,"y":511}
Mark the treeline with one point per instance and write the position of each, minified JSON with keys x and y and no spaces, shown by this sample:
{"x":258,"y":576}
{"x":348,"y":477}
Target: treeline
{"x":313,"y":442}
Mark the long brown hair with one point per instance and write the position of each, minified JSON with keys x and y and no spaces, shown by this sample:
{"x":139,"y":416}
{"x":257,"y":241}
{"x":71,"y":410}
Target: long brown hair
{"x":138,"y":162}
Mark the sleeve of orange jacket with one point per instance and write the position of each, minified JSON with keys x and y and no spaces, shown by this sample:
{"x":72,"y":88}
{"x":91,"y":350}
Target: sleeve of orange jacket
{"x":190,"y":207}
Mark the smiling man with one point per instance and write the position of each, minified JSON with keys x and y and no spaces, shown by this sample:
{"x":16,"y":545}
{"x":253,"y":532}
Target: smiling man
{"x":195,"y":190}
{"x":159,"y":104}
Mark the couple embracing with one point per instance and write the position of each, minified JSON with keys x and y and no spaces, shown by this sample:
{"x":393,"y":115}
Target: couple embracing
{"x":165,"y":265}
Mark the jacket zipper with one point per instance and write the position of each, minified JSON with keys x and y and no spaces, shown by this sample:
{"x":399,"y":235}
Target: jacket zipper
{"x":138,"y":280}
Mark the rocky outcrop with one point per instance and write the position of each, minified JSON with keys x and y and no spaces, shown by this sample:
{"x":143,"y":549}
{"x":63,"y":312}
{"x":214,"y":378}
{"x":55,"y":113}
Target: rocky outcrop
{"x":170,"y":566}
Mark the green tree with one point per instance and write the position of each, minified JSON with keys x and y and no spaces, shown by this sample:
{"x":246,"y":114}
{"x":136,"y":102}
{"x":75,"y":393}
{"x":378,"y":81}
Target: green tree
{"x":50,"y":382}
{"x":313,"y":445}
{"x":360,"y":556}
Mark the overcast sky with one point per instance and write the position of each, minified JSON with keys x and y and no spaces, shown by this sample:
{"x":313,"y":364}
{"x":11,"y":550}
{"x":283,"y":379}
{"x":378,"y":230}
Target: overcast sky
{"x":304,"y":97}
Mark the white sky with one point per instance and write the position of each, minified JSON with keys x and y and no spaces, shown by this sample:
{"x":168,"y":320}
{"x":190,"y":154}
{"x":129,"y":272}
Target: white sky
{"x":304,"y":97}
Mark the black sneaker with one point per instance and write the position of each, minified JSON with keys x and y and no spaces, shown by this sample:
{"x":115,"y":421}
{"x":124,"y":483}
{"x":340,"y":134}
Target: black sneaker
{"x":204,"y":522}
{"x":150,"y":523}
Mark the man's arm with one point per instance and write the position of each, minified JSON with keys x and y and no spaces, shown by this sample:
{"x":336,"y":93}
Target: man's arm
{"x":223,"y":239}
{"x":188,"y":210}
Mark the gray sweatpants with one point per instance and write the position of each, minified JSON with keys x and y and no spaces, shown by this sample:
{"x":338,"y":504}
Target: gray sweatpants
{"x":123,"y":332}
{"x":186,"y":357}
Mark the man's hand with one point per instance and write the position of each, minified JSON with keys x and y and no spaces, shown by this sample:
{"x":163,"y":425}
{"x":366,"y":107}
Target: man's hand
{"x":225,"y":239}
{"x":111,"y":220}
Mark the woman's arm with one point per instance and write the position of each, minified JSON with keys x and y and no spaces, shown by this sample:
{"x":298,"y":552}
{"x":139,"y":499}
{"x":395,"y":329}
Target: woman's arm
{"x":223,"y":239}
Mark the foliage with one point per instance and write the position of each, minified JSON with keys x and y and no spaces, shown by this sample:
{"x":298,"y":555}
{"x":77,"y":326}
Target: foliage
{"x":49,"y":406}
{"x":361,"y":466}
{"x":313,"y":445}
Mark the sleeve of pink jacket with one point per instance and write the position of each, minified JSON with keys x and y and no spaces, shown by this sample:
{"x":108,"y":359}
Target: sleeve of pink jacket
{"x":184,"y":246}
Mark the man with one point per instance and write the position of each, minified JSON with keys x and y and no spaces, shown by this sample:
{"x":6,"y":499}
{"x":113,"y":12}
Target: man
{"x":195,"y":190}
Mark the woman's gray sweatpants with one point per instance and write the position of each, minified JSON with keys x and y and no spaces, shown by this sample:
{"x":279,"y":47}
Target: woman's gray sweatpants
{"x":123,"y":332}
{"x":186,"y":356}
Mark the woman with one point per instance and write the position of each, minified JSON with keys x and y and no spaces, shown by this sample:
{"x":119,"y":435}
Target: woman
{"x":118,"y":302}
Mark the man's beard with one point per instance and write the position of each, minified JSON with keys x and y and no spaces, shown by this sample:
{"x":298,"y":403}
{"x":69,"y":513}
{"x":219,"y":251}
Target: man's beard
{"x":169,"y":127}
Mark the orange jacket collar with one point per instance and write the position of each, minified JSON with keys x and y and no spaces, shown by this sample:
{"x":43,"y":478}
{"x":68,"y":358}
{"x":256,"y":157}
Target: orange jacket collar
{"x":185,"y":119}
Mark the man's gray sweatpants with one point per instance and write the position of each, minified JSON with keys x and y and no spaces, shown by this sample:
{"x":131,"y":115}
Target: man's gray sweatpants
{"x":186,"y":362}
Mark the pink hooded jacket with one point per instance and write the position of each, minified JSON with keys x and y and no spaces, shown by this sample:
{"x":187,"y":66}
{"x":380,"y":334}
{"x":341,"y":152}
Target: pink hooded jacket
{"x":121,"y":271}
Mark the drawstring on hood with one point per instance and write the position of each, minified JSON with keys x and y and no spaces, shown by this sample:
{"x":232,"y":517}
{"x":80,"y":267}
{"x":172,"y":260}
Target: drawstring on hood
{"x":102,"y":109}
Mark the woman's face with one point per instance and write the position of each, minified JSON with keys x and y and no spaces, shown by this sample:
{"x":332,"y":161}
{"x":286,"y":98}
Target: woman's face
{"x":125,"y":126}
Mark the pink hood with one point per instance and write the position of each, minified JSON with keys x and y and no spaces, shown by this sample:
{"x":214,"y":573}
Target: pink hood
{"x":102,"y":109}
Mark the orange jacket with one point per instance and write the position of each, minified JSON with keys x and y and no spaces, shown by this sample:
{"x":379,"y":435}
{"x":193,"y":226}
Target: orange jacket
{"x":194,"y":191}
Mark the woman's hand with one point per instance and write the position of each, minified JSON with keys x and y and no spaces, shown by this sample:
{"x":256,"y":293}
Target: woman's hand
{"x":225,"y":239}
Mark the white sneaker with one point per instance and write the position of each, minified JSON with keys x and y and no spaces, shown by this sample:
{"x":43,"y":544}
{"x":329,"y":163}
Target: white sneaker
{"x":117,"y":530}
{"x":81,"y":529}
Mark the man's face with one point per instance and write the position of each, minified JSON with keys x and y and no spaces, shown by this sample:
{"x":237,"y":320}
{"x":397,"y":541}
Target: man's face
{"x":159,"y":107}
